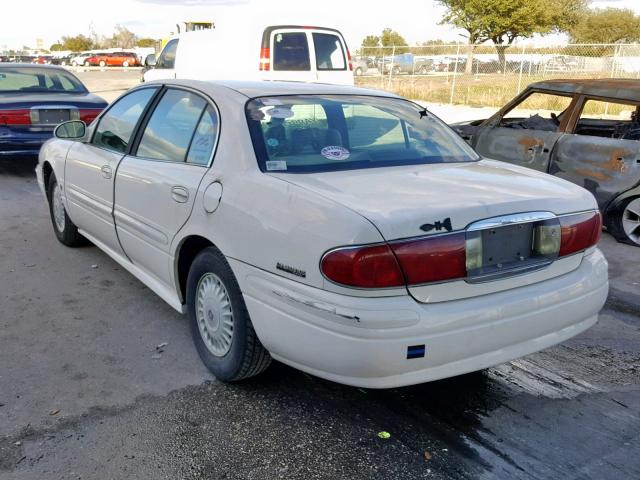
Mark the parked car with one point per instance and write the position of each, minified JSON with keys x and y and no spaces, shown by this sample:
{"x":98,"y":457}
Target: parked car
{"x":62,"y":61}
{"x":34,"y":99}
{"x":343,"y":231}
{"x":360,"y":66}
{"x":257,"y":52}
{"x":80,"y":60}
{"x":584,"y":131}
{"x":97,"y":59}
{"x":119,"y":59}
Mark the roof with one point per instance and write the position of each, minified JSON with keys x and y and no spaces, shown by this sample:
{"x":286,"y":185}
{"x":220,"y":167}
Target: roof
{"x":252,"y":89}
{"x":29,"y":65}
{"x":618,"y":88}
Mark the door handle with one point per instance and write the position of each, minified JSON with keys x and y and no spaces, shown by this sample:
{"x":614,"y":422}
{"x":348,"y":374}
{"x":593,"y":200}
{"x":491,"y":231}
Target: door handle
{"x":106,"y":171}
{"x":180,"y":194}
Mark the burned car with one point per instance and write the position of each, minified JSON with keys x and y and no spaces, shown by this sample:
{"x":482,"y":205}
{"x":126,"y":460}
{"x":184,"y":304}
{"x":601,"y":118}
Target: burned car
{"x":584,"y":131}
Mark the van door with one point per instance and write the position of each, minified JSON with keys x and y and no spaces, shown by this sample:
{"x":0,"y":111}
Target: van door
{"x":165,"y":65}
{"x":291,"y":55}
{"x":331,"y":58}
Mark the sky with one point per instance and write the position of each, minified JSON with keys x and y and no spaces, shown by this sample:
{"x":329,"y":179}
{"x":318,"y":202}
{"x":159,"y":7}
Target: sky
{"x":23,"y":21}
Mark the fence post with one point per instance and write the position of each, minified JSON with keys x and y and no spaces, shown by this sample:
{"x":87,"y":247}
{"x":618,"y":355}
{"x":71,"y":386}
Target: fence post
{"x":455,"y":75}
{"x":524,"y":47}
{"x":393,"y":55}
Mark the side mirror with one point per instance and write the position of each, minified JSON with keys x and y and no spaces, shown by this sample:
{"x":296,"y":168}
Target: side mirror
{"x":150,"y":60}
{"x":73,"y":129}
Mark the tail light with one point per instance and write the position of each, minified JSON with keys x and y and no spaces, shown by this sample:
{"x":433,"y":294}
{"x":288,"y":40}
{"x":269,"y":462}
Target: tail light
{"x":15,"y":117}
{"x":349,"y":59}
{"x":265,"y":59}
{"x":88,"y":115}
{"x":451,"y":256}
{"x":579,"y":232}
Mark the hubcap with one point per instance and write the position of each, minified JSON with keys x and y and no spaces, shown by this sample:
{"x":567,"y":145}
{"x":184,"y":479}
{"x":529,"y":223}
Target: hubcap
{"x":214,"y":314}
{"x":58,"y":208}
{"x":631,"y":221}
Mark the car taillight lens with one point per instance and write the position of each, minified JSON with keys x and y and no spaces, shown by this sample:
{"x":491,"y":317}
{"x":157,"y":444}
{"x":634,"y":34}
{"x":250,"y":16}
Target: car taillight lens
{"x":88,"y":115}
{"x":349,"y":60}
{"x":433,"y":259}
{"x":15,"y":117}
{"x":265,"y":59}
{"x":579,"y":232}
{"x":364,"y":267}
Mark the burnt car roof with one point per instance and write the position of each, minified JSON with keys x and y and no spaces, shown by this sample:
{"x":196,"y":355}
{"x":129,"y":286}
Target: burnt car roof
{"x":617,"y":88}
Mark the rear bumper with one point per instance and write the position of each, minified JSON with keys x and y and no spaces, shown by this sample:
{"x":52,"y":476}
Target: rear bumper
{"x":14,"y":143}
{"x":364,"y":341}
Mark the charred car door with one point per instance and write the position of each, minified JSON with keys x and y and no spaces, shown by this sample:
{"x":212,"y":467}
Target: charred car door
{"x":601,"y":152}
{"x":525,"y":131}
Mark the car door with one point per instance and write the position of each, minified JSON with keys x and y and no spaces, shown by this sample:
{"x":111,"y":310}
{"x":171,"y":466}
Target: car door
{"x":526,"y":132}
{"x":331,"y":58}
{"x":601,"y":152}
{"x":165,"y":65}
{"x":90,"y":167}
{"x":291,"y":55}
{"x":156,"y":185}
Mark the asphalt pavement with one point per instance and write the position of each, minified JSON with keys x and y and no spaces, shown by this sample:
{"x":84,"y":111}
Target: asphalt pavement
{"x":85,"y":392}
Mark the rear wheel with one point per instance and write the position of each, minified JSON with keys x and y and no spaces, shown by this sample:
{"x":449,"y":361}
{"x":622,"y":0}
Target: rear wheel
{"x":65,"y":230}
{"x":102,"y":63}
{"x":624,"y":224}
{"x":395,"y":71}
{"x":125,"y":64}
{"x":220,"y":324}
{"x":358,"y":71}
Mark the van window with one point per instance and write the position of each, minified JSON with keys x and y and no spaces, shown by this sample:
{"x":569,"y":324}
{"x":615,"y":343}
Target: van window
{"x":291,"y":51}
{"x":167,"y":57}
{"x":329,"y":53}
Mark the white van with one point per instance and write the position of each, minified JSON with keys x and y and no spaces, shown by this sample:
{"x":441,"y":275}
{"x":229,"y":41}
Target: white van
{"x":252,"y":52}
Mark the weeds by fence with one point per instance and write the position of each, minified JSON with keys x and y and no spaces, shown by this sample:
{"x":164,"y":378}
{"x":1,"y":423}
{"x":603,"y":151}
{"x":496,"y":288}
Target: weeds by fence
{"x":462,"y":74}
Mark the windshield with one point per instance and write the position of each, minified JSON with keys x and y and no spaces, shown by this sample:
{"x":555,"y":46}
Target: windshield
{"x":323,"y":133}
{"x":39,"y":80}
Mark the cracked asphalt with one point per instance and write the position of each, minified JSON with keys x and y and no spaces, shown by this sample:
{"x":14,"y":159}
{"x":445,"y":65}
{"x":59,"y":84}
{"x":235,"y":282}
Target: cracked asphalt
{"x":84,"y":393}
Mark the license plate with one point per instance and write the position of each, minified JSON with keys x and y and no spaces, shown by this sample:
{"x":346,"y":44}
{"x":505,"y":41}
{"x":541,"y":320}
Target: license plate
{"x":504,"y":245}
{"x":52,"y":116}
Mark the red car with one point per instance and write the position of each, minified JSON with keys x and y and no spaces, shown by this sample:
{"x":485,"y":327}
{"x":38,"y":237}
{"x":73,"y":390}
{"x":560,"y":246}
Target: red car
{"x":114,"y":59}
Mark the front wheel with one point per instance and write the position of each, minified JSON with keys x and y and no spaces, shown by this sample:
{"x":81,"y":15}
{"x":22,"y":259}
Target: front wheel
{"x":220,"y":324}
{"x":358,"y":71}
{"x":102,"y":63}
{"x":125,"y":64}
{"x":65,"y":230}
{"x":624,"y":224}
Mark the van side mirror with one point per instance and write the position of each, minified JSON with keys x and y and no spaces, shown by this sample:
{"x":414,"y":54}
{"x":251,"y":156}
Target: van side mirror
{"x":71,"y":130}
{"x":150,"y":60}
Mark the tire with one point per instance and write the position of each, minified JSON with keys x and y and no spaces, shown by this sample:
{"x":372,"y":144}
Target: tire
{"x":624,"y":223}
{"x":87,"y":64}
{"x":74,"y":64}
{"x":103,"y":63}
{"x":65,"y":230}
{"x":395,"y":71}
{"x":125,"y":64}
{"x":358,"y":71}
{"x":214,"y":300}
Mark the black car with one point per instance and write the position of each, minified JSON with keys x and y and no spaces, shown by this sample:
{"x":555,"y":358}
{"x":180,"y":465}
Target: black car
{"x":36,"y":98}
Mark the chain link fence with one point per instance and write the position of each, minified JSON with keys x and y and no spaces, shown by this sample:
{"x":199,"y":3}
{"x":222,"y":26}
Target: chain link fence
{"x":482,"y":76}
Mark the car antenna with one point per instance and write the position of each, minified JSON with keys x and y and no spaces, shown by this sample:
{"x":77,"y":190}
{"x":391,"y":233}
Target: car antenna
{"x":423,"y":112}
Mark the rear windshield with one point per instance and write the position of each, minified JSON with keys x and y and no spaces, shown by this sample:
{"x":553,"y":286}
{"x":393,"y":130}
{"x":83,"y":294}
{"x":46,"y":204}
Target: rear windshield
{"x":30,"y":79}
{"x":323,"y":133}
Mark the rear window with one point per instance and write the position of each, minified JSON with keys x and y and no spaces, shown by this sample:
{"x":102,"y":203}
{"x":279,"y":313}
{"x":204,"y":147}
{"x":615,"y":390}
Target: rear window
{"x":291,"y":51}
{"x":329,"y":53}
{"x":29,"y":79}
{"x":323,"y":133}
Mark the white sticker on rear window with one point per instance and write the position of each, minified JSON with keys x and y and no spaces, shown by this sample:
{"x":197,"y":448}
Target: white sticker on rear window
{"x":279,"y":112}
{"x":276,"y":165}
{"x":334,"y":152}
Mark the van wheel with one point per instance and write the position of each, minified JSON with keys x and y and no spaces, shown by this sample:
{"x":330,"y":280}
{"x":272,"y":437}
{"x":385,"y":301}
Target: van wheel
{"x":220,"y":324}
{"x":624,"y":223}
{"x":65,"y":230}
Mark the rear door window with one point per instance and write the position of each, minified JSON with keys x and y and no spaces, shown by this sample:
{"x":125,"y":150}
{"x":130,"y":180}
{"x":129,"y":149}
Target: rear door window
{"x":117,"y":125}
{"x":291,"y":51}
{"x":171,"y":126}
{"x":329,"y":52}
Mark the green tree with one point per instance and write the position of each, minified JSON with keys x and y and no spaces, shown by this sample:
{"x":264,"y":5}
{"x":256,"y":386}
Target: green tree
{"x":78,"y":43}
{"x":391,"y":38}
{"x":147,"y":42}
{"x":503,"y":21}
{"x":56,"y":47}
{"x":609,"y":25}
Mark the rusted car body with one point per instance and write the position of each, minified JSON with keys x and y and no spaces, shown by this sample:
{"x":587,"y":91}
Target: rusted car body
{"x":585,"y":131}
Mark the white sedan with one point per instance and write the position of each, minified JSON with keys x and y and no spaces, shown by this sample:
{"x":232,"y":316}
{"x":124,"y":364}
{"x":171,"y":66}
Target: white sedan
{"x":346,"y":232}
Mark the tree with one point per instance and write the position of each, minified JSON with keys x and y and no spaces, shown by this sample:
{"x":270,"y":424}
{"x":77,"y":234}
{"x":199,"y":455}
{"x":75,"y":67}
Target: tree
{"x":146,"y":42}
{"x":609,"y":25}
{"x":503,"y":21}
{"x":123,"y":38}
{"x":391,"y":38}
{"x":56,"y":47}
{"x":78,"y":43}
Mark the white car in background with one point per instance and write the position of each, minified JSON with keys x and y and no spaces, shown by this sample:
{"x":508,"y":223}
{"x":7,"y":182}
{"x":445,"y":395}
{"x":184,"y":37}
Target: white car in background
{"x":257,"y":51}
{"x":346,"y":232}
{"x":80,"y":60}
